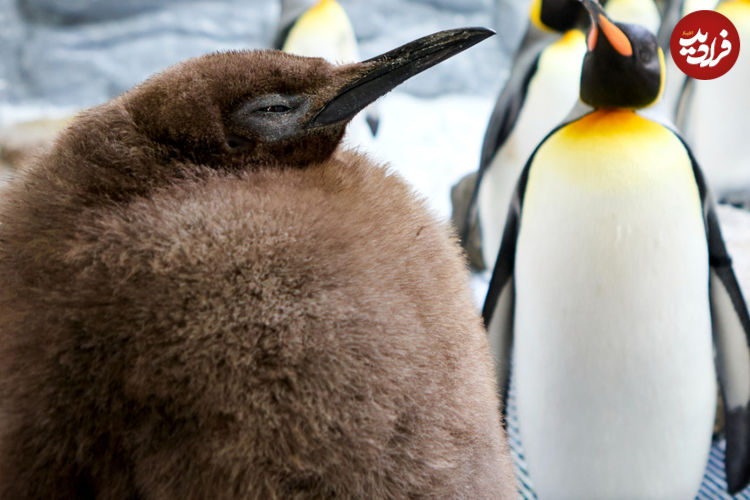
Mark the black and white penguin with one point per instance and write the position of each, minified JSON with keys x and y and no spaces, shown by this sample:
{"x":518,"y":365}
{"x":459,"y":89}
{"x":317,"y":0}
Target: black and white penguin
{"x":541,"y":92}
{"x":611,"y":278}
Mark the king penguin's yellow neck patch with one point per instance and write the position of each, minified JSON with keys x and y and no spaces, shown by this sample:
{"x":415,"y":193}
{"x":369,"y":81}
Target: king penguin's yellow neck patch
{"x":616,"y":150}
{"x":606,"y":123}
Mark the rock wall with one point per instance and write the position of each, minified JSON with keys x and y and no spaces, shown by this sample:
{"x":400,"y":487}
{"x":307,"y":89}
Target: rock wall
{"x":82,"y":52}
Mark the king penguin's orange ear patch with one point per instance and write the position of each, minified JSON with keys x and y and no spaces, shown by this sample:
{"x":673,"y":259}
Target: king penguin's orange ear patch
{"x":616,"y":37}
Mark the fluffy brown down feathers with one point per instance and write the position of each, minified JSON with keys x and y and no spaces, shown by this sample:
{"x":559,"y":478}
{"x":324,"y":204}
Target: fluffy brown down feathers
{"x":175,"y":323}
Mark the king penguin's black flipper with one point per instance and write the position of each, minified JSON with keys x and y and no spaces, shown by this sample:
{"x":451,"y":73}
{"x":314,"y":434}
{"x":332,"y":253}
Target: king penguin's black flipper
{"x":507,"y":108}
{"x":731,"y":331}
{"x":497,"y":312}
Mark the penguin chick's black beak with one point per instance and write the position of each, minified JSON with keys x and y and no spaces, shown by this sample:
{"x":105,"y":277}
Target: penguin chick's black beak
{"x":384,"y":72}
{"x":600,"y":22}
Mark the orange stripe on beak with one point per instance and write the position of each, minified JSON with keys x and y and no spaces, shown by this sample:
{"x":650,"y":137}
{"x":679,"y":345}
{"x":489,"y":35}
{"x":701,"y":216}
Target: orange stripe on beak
{"x":616,"y":37}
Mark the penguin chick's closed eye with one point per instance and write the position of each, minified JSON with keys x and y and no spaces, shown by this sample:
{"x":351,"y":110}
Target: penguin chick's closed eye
{"x":199,"y":298}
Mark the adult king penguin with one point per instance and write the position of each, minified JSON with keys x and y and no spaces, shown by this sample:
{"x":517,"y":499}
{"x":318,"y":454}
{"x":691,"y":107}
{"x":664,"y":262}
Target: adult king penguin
{"x":539,"y":95}
{"x":611,"y":277}
{"x":202,"y":297}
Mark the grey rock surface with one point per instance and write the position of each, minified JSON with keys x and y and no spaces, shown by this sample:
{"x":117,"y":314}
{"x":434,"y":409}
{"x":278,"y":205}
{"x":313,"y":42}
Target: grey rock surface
{"x":509,"y":19}
{"x":68,"y":12}
{"x":79,"y":53}
{"x":82,"y":63}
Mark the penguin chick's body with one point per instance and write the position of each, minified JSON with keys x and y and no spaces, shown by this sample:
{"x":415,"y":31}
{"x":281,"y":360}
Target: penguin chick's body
{"x":197,"y":303}
{"x":611,"y":278}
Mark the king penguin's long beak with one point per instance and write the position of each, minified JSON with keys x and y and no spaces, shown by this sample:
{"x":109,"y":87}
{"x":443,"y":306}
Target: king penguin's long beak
{"x":600,"y":20}
{"x":386,"y":71}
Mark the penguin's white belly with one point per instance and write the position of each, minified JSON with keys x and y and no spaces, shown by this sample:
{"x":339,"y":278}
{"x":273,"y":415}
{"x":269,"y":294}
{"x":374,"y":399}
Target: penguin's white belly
{"x":613,"y":359}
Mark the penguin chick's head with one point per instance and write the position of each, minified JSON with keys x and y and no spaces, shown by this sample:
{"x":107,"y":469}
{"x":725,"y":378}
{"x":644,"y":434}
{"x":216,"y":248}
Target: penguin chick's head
{"x":623,"y":67}
{"x":267,"y":107}
{"x":556,"y":15}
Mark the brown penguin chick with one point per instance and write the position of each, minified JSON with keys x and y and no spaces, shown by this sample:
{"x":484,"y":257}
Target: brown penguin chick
{"x":201,"y":297}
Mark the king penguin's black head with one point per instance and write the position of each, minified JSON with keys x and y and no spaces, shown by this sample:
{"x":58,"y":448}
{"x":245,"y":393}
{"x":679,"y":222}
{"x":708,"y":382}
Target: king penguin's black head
{"x":267,"y":107}
{"x":624,"y":66}
{"x":556,"y":15}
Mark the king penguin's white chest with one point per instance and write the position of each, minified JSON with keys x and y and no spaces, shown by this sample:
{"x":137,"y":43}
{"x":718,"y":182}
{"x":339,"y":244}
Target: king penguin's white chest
{"x":613,"y":360}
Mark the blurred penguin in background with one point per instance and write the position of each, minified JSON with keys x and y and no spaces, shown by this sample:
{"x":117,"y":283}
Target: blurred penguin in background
{"x":291,"y":10}
{"x":611,"y":283}
{"x":322,"y":29}
{"x":541,"y":92}
{"x":202,"y":295}
{"x":714,"y":115}
{"x":674,"y":10}
{"x":675,"y":84}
